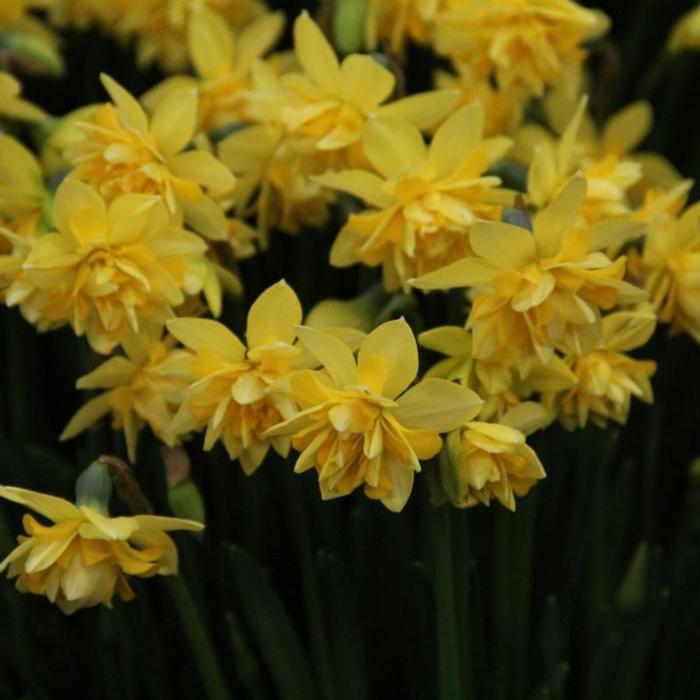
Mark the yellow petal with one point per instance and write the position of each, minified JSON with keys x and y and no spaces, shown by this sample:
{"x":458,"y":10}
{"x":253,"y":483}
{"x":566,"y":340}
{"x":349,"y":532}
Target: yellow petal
{"x":207,"y":218}
{"x":359,"y":183}
{"x":210,"y":43}
{"x":130,"y":111}
{"x":316,"y":55}
{"x":609,"y":232}
{"x":467,"y":272}
{"x":365,"y":83}
{"x":437,"y":404}
{"x":395,"y":343}
{"x":392,"y":144}
{"x":626,"y":330}
{"x":105,"y":527}
{"x":205,"y":334}
{"x":453,"y":341}
{"x":552,"y":223}
{"x":51,"y":507}
{"x":401,"y":477}
{"x":273,"y":315}
{"x":332,"y":353}
{"x":257,"y":38}
{"x":456,"y":137}
{"x":72,"y":196}
{"x":174,"y":120}
{"x":567,"y":158}
{"x":503,"y":245}
{"x":424,"y":110}
{"x":526,"y":417}
{"x":626,"y":129}
{"x":114,"y":372}
{"x":86,"y":415}
{"x":203,"y":168}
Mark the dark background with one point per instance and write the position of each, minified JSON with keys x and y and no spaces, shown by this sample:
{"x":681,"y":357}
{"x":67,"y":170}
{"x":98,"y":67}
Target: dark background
{"x":344,"y":599}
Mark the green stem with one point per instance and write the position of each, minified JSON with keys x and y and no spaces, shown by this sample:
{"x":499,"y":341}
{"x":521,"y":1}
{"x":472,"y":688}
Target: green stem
{"x":200,"y":644}
{"x":312,"y":594}
{"x":449,"y":683}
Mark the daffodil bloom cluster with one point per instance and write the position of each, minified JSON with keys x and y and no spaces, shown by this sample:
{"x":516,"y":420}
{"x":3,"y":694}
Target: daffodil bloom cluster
{"x":536,"y":290}
{"x":236,"y":390}
{"x":359,"y":424}
{"x":107,"y":271}
{"x":524,"y":45}
{"x":425,"y":200}
{"x":144,"y":386}
{"x":606,"y":377}
{"x":84,"y":558}
{"x":484,"y":461}
{"x":310,"y":121}
{"x":605,"y":159}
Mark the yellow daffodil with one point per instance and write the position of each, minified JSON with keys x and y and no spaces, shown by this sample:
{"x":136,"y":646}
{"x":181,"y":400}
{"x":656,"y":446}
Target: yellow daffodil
{"x":329,"y":101}
{"x":234,"y":392}
{"x":608,"y":378}
{"x":425,"y":199}
{"x":83,"y":557}
{"x":603,"y":158}
{"x":395,"y":21}
{"x":122,"y":151}
{"x":145,"y":386}
{"x":670,"y":265}
{"x":503,"y":109}
{"x":501,"y":382}
{"x":12,"y":105}
{"x":223,"y":62}
{"x":534,"y":291}
{"x":274,"y":181}
{"x":109,"y":271}
{"x":486,"y":461}
{"x":525,"y":45}
{"x":358,"y":424}
{"x":22,"y":190}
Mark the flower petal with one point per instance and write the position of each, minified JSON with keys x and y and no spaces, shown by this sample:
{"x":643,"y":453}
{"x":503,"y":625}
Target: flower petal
{"x":86,"y":415}
{"x":503,"y":245}
{"x":360,"y":183}
{"x":456,"y":137}
{"x":392,"y":144}
{"x":51,"y":507}
{"x":395,"y":344}
{"x":552,"y":223}
{"x":332,"y":353}
{"x":467,"y":272}
{"x":273,"y":315}
{"x":365,"y":82}
{"x":424,"y":110}
{"x":210,"y":43}
{"x":205,"y":334}
{"x":316,"y":55}
{"x":174,"y":120}
{"x":203,"y":168}
{"x":437,"y":404}
{"x":130,"y":111}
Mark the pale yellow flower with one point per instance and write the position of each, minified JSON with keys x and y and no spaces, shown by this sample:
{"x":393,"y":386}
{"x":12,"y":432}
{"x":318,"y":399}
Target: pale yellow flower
{"x":123,"y":151}
{"x":145,"y":386}
{"x":85,"y":558}
{"x":234,"y":393}
{"x":360,"y":425}
{"x":525,"y":45}
{"x":486,"y":461}
{"x":425,"y":199}
{"x":608,"y":378}
{"x":222,"y":61}
{"x":670,"y":265}
{"x":534,"y":291}
{"x":12,"y":105}
{"x":328,"y":103}
{"x":274,"y":181}
{"x":603,"y":158}
{"x":393,"y":22}
{"x":501,"y":381}
{"x":109,"y":271}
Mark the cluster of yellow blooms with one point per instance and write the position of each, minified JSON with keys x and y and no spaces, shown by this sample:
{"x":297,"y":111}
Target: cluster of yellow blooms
{"x":159,"y":194}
